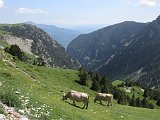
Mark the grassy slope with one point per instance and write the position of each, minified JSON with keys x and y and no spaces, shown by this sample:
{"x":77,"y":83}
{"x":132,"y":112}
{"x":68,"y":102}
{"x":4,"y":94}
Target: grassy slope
{"x":136,"y":90}
{"x":46,"y":90}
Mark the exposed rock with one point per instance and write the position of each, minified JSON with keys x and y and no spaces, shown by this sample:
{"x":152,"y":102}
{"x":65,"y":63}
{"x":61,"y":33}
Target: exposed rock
{"x":34,"y":40}
{"x":24,"y":44}
{"x":12,"y":114}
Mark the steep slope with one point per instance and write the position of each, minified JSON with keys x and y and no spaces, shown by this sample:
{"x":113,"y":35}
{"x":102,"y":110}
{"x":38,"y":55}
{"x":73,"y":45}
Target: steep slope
{"x":62,"y":35}
{"x":142,"y":56}
{"x":41,"y":90}
{"x":40,"y":43}
{"x":95,"y":49}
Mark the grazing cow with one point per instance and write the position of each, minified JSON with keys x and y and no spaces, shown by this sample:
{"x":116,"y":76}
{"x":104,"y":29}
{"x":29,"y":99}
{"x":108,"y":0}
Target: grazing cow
{"x":104,"y":97}
{"x":77,"y":97}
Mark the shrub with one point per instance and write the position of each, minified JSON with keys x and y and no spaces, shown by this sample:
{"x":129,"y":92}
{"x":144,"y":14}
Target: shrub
{"x":6,"y":74}
{"x":16,"y":51}
{"x":2,"y":109}
{"x":10,"y":99}
{"x":158,"y":102}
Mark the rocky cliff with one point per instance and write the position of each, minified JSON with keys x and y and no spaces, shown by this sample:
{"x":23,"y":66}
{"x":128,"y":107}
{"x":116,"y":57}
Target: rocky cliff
{"x":41,"y":44}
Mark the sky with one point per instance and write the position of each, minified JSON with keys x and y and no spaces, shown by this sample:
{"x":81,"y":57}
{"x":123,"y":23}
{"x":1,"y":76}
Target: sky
{"x":78,"y":12}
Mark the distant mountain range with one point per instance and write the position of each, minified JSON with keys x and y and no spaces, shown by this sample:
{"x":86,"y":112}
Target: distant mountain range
{"x":127,"y":50}
{"x":62,"y":35}
{"x":36,"y":41}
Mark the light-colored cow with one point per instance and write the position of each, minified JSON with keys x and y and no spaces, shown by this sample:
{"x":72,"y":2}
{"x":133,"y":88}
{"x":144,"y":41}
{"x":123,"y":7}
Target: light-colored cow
{"x":77,"y":97}
{"x":104,"y":97}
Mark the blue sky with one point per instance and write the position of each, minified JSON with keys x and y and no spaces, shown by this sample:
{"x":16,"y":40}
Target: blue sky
{"x":78,"y":12}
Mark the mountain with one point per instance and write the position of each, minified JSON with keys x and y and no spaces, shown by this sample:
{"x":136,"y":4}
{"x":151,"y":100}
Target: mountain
{"x":127,"y":50}
{"x":35,"y":41}
{"x":95,"y":49}
{"x":141,"y":59}
{"x":62,"y":35}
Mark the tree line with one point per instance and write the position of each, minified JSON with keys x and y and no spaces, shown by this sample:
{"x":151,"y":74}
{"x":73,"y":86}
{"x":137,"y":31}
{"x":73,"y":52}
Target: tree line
{"x":102,"y":84}
{"x":94,"y":81}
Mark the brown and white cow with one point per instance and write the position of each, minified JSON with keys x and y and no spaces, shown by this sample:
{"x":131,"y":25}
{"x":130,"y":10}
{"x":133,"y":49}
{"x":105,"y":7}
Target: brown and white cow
{"x":77,"y":97}
{"x":104,"y":97}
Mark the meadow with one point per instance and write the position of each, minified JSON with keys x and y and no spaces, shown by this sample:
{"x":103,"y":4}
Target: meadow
{"x":40,"y":90}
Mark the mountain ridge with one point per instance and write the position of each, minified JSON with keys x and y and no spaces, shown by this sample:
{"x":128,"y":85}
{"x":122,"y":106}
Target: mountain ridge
{"x":43,"y":45}
{"x":62,"y":35}
{"x":95,"y":48}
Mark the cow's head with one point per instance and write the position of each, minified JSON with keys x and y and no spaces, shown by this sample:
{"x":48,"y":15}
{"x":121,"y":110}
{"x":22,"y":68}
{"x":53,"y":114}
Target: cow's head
{"x":64,"y":97}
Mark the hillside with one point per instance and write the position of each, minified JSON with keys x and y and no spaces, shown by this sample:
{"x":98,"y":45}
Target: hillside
{"x":140,"y":59}
{"x":62,"y":35}
{"x":95,"y":49}
{"x":126,"y":50}
{"x":41,"y":89}
{"x":35,"y":41}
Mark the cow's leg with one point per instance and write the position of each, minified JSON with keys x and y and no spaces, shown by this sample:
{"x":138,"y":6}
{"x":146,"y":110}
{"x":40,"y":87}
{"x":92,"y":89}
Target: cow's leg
{"x":111,"y":103}
{"x":100,"y":102}
{"x":108,"y":103}
{"x":84,"y":106}
{"x":74,"y":103}
{"x":87,"y":104}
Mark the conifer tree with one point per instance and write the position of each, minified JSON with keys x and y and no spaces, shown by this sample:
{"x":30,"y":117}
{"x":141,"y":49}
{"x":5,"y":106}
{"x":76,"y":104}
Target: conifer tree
{"x":95,"y":83}
{"x":146,"y":93}
{"x":158,"y":102}
{"x":83,"y":77}
{"x":104,"y":85}
{"x":138,"y":102}
{"x":132,"y":101}
{"x":145,"y":103}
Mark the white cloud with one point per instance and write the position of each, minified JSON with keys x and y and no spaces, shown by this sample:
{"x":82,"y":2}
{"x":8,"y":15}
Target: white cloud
{"x":30,"y":11}
{"x":1,"y":3}
{"x":149,"y":3}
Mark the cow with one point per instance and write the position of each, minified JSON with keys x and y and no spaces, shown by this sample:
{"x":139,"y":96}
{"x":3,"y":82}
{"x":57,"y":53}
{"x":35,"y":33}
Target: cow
{"x":104,"y":97}
{"x":77,"y":97}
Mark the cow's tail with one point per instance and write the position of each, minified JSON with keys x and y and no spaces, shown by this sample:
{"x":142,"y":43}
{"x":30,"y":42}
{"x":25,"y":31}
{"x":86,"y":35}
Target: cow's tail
{"x":112,"y":97}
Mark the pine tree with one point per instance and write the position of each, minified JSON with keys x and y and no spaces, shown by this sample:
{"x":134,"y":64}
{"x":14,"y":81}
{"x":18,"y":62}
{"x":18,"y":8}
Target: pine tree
{"x":132,"y":101}
{"x":97,"y":77}
{"x":90,"y":73}
{"x":83,"y":77}
{"x":138,"y":102}
{"x":122,"y":99}
{"x":158,"y":102}
{"x":105,"y":89}
{"x":95,"y":84}
{"x":145,"y":103}
{"x":104,"y":85}
{"x":151,"y":106}
{"x":146,"y":93}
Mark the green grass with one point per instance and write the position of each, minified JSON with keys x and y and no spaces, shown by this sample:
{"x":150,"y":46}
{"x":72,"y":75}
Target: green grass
{"x":136,"y":90}
{"x":117,"y":82}
{"x":4,"y":43}
{"x":44,"y":88}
